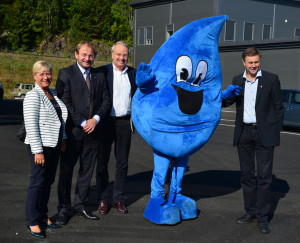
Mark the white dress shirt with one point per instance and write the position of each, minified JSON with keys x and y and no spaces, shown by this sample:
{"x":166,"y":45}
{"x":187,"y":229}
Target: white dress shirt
{"x":250,"y":98}
{"x":121,"y":93}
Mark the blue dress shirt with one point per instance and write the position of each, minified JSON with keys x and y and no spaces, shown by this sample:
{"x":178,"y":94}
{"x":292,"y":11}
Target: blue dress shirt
{"x":250,"y":98}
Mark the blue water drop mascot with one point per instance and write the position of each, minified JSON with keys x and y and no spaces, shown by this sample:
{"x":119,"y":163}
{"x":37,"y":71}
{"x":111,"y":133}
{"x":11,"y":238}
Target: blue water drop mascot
{"x":176,"y":109}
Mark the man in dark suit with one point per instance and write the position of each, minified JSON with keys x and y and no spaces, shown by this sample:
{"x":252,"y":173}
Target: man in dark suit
{"x":259,"y":118}
{"x":85,"y":94}
{"x":117,"y":128}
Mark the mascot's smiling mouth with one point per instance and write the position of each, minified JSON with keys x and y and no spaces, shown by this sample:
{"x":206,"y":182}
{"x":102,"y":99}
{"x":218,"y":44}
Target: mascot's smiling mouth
{"x":189,"y":102}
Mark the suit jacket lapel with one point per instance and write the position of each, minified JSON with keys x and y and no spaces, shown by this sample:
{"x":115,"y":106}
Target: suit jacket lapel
{"x":93,"y":80}
{"x":64,"y":111}
{"x":259,"y":89}
{"x":110,"y":79}
{"x":46,"y":101}
{"x":241,"y":83}
{"x":130,"y":76}
{"x":243,"y":86}
{"x":132,"y":80}
{"x":78,"y":77}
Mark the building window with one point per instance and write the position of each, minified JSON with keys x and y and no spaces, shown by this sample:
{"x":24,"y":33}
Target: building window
{"x":230,"y":30}
{"x":141,"y":36}
{"x":149,"y":35}
{"x":267,"y":31}
{"x":248,"y":31}
{"x":297,"y":32}
{"x":169,"y":30}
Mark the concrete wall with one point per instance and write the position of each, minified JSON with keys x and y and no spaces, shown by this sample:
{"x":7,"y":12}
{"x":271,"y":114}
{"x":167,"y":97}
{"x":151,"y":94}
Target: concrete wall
{"x":283,"y":18}
{"x":177,"y":13}
{"x":283,"y":62}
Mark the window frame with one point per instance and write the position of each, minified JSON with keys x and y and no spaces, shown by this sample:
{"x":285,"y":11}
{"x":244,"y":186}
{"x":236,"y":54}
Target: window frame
{"x":234,"y":30}
{"x":167,"y":32}
{"x":296,"y":28}
{"x":146,"y":34}
{"x":270,"y":33}
{"x":252,"y":31}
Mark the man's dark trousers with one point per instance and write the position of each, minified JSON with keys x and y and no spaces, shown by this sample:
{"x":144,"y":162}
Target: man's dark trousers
{"x":86,"y":151}
{"x":256,"y":197}
{"x":116,"y":130}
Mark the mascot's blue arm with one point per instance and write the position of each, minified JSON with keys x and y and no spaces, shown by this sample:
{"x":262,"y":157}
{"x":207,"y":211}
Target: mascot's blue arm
{"x":230,"y":92}
{"x":145,"y":79}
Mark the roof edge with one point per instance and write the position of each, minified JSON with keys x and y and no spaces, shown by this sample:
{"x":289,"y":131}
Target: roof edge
{"x":149,"y":3}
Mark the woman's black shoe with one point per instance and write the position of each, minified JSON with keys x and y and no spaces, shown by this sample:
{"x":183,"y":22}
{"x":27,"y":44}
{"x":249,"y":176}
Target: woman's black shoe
{"x":38,"y":235}
{"x":43,"y":224}
{"x":53,"y":226}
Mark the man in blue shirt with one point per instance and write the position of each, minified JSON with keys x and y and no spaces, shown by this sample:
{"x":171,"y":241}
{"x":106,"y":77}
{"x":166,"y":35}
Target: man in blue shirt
{"x":259,"y":118}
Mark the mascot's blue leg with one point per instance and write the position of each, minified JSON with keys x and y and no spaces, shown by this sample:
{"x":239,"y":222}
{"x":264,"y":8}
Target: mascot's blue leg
{"x":156,"y":211}
{"x":187,"y":206}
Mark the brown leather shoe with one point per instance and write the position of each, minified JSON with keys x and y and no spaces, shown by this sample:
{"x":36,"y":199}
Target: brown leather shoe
{"x":102,"y":209}
{"x":120,"y":206}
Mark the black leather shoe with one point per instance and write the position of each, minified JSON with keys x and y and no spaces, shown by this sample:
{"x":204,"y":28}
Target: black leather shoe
{"x":52,"y":225}
{"x":246,"y":219}
{"x":264,"y":227}
{"x":63,"y":219}
{"x":38,"y":235}
{"x":87,"y":215}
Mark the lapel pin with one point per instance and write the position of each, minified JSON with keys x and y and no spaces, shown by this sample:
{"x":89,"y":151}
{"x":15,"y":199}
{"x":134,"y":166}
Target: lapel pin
{"x":261,"y":86}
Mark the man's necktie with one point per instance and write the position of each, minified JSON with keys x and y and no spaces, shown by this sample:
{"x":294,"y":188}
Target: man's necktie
{"x":89,"y":85}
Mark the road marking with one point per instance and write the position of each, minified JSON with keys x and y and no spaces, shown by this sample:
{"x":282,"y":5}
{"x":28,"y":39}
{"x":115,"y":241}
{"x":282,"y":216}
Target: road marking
{"x":228,"y":111}
{"x":289,"y":133}
{"x":227,"y":120}
{"x":226,"y":125}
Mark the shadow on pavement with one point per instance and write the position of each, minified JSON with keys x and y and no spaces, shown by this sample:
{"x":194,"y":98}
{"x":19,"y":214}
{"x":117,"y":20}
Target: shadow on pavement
{"x":279,"y":189}
{"x":205,"y":184}
{"x":291,"y":129}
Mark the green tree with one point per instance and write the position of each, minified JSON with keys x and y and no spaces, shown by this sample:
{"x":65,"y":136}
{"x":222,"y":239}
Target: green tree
{"x":18,"y":23}
{"x":29,"y":22}
{"x":121,"y":20}
{"x":75,"y":35}
{"x":51,"y":18}
{"x":3,"y":9}
{"x":89,"y":19}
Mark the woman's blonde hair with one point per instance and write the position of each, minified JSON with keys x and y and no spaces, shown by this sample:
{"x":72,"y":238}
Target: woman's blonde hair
{"x":41,"y":66}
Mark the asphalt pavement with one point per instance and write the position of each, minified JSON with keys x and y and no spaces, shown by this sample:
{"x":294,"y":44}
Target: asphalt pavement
{"x":212,"y":179}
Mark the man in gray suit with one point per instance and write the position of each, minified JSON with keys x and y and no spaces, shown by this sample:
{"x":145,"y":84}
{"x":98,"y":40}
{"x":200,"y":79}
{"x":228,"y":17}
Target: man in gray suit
{"x":259,"y":118}
{"x":85,"y":94}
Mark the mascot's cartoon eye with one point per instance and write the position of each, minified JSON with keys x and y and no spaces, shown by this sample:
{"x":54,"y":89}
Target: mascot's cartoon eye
{"x":184,"y":74}
{"x":184,"y":68}
{"x":200,"y":73}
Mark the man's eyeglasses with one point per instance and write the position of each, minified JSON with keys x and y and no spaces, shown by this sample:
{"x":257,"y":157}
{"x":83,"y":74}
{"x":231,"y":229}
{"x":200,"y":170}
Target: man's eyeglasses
{"x":120,"y":55}
{"x":85,"y":55}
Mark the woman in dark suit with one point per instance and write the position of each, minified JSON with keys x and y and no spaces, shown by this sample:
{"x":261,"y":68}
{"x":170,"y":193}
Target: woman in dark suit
{"x":44,"y":117}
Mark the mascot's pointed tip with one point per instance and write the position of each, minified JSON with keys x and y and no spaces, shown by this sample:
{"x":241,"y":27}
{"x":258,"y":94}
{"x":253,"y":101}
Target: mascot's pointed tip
{"x":190,"y":38}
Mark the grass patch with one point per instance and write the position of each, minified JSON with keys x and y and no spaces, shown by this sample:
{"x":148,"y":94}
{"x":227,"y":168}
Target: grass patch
{"x":17,"y":68}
